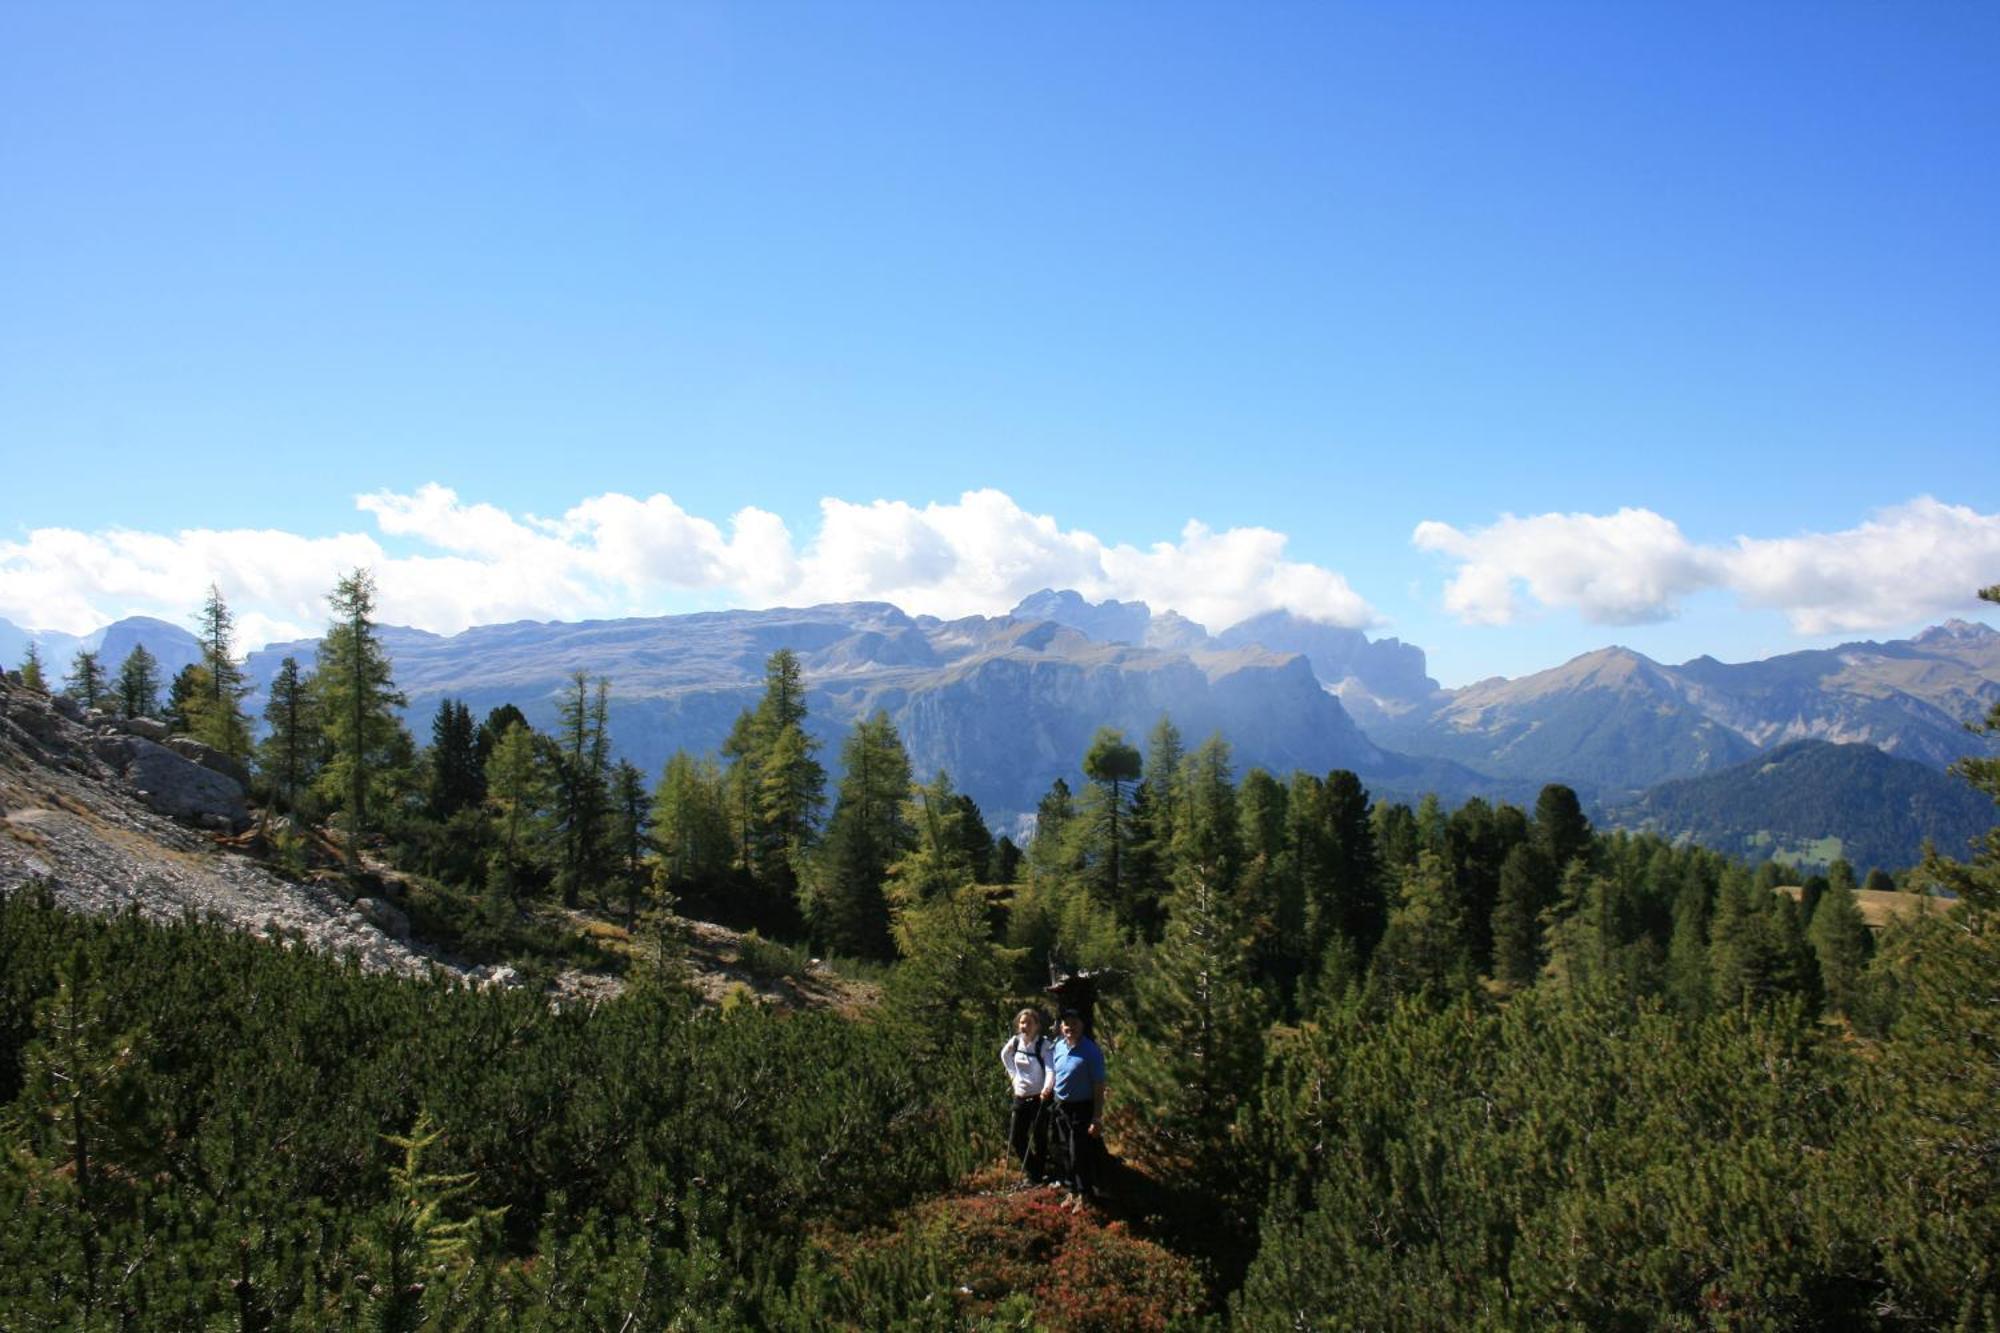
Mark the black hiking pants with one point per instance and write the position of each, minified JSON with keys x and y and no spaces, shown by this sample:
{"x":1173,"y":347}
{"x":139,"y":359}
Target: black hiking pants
{"x":1028,"y":1137}
{"x":1077,"y":1155}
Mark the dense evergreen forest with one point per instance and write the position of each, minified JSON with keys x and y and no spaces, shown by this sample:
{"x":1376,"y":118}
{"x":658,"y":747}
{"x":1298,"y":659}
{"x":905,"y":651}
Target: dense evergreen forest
{"x":1371,"y":1065}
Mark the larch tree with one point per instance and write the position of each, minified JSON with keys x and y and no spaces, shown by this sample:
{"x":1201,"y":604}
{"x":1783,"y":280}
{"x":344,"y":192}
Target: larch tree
{"x":690,"y":827}
{"x":215,"y":712}
{"x":183,"y":697}
{"x":85,"y":681}
{"x":294,"y":741}
{"x":517,"y":791}
{"x":137,"y":690}
{"x":789,"y":784}
{"x":359,"y":701}
{"x":952,"y":972}
{"x":31,"y":670}
{"x":583,"y":783}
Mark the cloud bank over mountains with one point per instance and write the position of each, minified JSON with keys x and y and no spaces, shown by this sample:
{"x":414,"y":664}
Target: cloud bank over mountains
{"x":1908,"y":562}
{"x":443,"y":564}
{"x":618,"y":555}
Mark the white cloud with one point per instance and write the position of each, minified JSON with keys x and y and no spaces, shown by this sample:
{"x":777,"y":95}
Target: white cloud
{"x":1907,"y":563}
{"x":1910,"y":562}
{"x":614,"y":554}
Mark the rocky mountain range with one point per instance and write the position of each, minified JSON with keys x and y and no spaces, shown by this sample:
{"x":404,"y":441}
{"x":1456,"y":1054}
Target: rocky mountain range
{"x":1614,"y":721}
{"x":1008,"y":703}
{"x":1005,"y":704}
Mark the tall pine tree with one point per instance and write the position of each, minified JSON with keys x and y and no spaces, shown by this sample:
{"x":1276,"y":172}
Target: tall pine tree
{"x":359,"y":702}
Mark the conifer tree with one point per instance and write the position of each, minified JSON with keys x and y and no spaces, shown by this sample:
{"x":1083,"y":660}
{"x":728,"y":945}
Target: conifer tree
{"x":1423,"y":951}
{"x":1197,"y":1032}
{"x":516,"y":788}
{"x":631,"y":810}
{"x":1944,"y":1070}
{"x":289,"y":755}
{"x":358,"y":699}
{"x":183,"y":695}
{"x":85,"y":681}
{"x":1156,"y":811}
{"x":952,"y":974}
{"x":1050,"y":851}
{"x":1395,"y":827}
{"x":457,"y":777}
{"x":583,"y":778}
{"x":1688,"y":983}
{"x":415,"y":1238}
{"x":978,"y":838}
{"x":1110,"y":764}
{"x":31,"y":670}
{"x":1840,"y":938}
{"x":215,"y":713}
{"x":137,"y":690}
{"x":1354,"y":900}
{"x":1517,"y":918}
{"x":1270,"y":897}
{"x":1561,"y":830}
{"x":690,"y":825}
{"x":868,"y":832}
{"x":1006,"y":865}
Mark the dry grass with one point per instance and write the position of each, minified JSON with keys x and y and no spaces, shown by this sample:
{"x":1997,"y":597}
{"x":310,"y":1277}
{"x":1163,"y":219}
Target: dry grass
{"x":1879,"y":908}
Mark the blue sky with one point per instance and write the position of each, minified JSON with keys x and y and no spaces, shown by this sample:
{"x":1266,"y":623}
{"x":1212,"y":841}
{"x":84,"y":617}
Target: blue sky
{"x":1703,"y":296}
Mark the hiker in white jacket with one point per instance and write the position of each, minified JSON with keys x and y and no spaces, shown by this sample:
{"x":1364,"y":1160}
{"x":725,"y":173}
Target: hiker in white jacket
{"x":1025,"y":1057}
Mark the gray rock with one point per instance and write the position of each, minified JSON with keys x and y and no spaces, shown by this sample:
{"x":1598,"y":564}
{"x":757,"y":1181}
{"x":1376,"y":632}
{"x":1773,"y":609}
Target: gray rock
{"x":174,"y":786}
{"x":67,"y":706}
{"x":149,"y":727}
{"x":386,"y":917}
{"x":34,"y":715}
{"x":187,"y":747}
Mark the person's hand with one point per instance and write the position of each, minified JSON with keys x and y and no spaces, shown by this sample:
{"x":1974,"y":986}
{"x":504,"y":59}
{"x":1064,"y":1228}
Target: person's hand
{"x":1092,"y":1131}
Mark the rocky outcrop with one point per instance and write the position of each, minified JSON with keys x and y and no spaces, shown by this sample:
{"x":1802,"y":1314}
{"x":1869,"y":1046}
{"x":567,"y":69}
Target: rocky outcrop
{"x":210,"y":758}
{"x":81,"y":816}
{"x":173,"y":785}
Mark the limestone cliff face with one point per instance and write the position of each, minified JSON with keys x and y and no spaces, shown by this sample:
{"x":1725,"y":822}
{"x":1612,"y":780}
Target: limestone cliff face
{"x":1005,"y":704}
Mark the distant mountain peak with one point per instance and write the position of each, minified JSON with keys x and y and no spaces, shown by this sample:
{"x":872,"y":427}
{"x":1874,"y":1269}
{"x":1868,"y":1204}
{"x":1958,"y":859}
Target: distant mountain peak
{"x":1107,"y":622}
{"x":1958,"y":631}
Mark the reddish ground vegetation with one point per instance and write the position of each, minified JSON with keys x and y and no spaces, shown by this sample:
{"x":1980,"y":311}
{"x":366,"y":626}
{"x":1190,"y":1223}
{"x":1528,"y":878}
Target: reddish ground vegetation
{"x":1075,"y":1270}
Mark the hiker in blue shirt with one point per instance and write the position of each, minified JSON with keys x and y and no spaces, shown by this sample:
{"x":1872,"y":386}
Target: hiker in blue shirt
{"x":1077,"y":1077}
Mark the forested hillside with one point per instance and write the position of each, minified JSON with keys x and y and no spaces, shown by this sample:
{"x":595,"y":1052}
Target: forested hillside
{"x":1812,"y":802}
{"x":1372,"y":1064}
